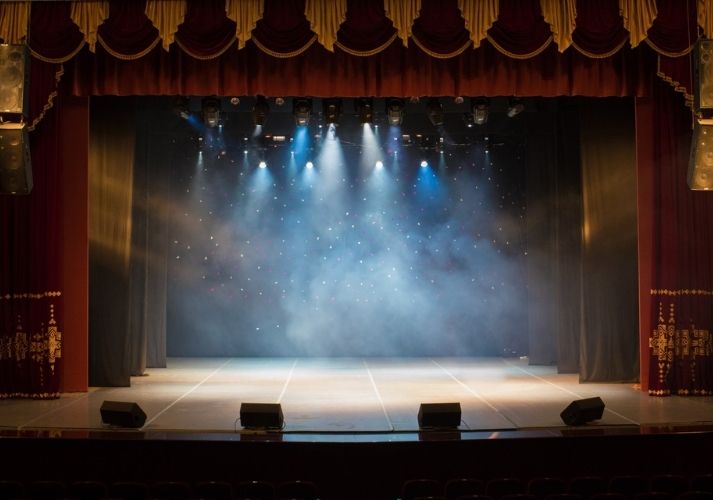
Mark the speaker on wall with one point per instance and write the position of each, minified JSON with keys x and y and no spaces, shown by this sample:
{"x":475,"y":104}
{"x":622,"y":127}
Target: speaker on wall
{"x":439,"y":415}
{"x":261,"y":416}
{"x":15,"y":165}
{"x":703,"y":75}
{"x":700,"y":163}
{"x":14,"y":78}
{"x":122,"y":414}
{"x":582,"y":411}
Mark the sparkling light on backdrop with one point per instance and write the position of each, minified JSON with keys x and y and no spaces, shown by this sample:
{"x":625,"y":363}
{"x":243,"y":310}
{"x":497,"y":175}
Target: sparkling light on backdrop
{"x":339,"y":247}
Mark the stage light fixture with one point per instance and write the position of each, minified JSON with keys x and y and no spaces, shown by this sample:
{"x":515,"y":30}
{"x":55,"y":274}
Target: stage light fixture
{"x":261,"y":110}
{"x":235,"y":101}
{"x":515,"y":107}
{"x":481,"y":109}
{"x":395,"y":111}
{"x":379,"y":164}
{"x":181,"y":107}
{"x":309,"y":165}
{"x":364,"y":107}
{"x":302,"y":110}
{"x":434,"y":109}
{"x":210,"y":110}
{"x":332,"y":110}
{"x":262,"y":164}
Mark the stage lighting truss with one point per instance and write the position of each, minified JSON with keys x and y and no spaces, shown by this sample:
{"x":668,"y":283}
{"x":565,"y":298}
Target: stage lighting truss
{"x":181,"y":107}
{"x":481,"y":109}
{"x":515,"y":107}
{"x":434,"y":110}
{"x":395,"y":111}
{"x":302,"y":110}
{"x":364,"y":106}
{"x":261,"y":110}
{"x":331,"y":110}
{"x":210,"y":110}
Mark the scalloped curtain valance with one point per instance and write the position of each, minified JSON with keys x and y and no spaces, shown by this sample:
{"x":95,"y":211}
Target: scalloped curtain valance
{"x":359,"y":47}
{"x":286,"y":28}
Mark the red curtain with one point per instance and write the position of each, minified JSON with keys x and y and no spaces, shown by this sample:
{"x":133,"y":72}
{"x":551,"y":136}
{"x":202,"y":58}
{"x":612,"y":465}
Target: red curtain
{"x":31,"y":307}
{"x":680,"y":345}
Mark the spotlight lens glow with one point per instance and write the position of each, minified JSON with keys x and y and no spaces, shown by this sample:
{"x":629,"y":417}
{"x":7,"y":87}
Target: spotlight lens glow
{"x":424,"y":163}
{"x":262,"y":164}
{"x":379,"y":164}
{"x":309,"y":164}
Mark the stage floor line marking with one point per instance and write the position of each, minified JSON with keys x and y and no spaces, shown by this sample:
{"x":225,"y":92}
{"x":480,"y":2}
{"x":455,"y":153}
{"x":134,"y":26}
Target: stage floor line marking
{"x":287,"y":382}
{"x":473,"y":392}
{"x":564,"y":389}
{"x":187,"y":393}
{"x":378,"y":396}
{"x":54,"y":410}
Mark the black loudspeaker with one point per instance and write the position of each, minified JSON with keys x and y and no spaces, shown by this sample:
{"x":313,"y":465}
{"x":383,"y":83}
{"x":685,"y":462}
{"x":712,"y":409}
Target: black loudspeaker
{"x":122,"y":414}
{"x":14,"y":78}
{"x":439,"y":415}
{"x":582,"y":411}
{"x":700,"y":163}
{"x":261,"y":416}
{"x":15,"y":166}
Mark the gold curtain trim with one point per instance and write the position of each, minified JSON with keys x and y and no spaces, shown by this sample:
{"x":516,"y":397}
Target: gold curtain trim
{"x":669,"y":54}
{"x":128,"y":57}
{"x":59,"y":60}
{"x":366,"y":53}
{"x":325,"y":17}
{"x":677,"y":87}
{"x":532,"y":54}
{"x":682,"y":291}
{"x":166,"y":16}
{"x":402,"y":14}
{"x":246,"y":14}
{"x":479,"y":16}
{"x":438,"y":55}
{"x":13,"y":21}
{"x":40,"y":295}
{"x":200,"y":57}
{"x":88,"y":16}
{"x":592,"y":55}
{"x":48,"y":105}
{"x":561,"y":16}
{"x":284,"y":55}
{"x":637,"y":16}
{"x":705,"y":20}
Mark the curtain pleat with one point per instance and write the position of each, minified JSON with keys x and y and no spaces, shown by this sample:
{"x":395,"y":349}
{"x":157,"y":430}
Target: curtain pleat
{"x":479,"y":16}
{"x":402,"y":13}
{"x":638,"y":17}
{"x":705,"y":17}
{"x":561,"y":15}
{"x":13,"y":21}
{"x":166,"y":15}
{"x":88,"y":16}
{"x":325,"y":16}
{"x":246,"y":14}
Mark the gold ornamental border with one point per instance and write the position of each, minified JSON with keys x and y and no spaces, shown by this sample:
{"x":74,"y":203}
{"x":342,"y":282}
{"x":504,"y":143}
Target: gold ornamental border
{"x":127,"y":57}
{"x":513,"y":55}
{"x":41,"y":295}
{"x":681,"y":292}
{"x":438,"y":55}
{"x":283,"y":55}
{"x":366,"y":53}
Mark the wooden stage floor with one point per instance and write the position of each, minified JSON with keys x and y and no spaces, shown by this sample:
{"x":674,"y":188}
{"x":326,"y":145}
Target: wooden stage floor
{"x":354,"y":397}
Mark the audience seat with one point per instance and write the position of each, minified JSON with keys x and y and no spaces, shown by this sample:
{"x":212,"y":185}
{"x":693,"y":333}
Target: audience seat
{"x":459,"y":487}
{"x":255,"y":490}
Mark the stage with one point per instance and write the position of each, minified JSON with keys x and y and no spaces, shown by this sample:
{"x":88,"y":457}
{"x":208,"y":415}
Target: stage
{"x":347,"y":399}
